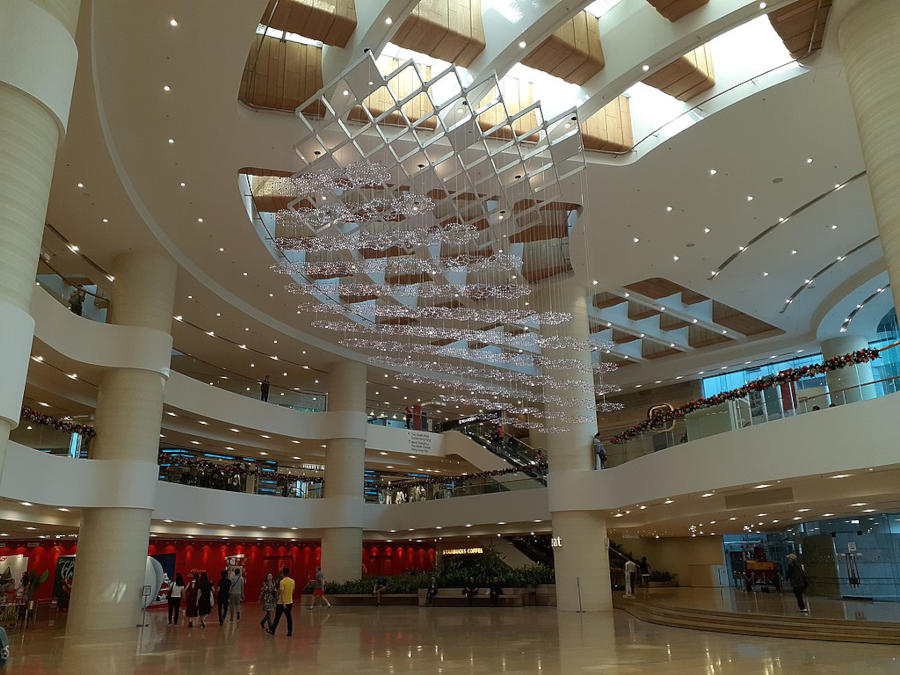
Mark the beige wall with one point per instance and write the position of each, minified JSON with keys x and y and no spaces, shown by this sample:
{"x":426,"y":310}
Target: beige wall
{"x":676,"y":554}
{"x":638,"y":403}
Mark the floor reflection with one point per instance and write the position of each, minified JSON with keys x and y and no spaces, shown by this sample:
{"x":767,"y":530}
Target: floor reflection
{"x":438,"y":640}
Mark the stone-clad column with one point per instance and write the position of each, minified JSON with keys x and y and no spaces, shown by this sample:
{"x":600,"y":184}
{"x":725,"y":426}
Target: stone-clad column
{"x":871,"y":53}
{"x":37,"y":72}
{"x":112,"y":542}
{"x":843,"y":384}
{"x":581,"y":558}
{"x":344,"y":465}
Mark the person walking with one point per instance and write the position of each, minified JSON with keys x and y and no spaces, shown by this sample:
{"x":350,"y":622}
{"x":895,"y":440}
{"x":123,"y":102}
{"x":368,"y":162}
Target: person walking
{"x":264,"y":389}
{"x":235,"y":595}
{"x":431,"y":591}
{"x":797,"y":577}
{"x":378,"y":588}
{"x":645,"y":572}
{"x":408,"y":418}
{"x":175,"y":591}
{"x":285,"y":602}
{"x":268,"y":597}
{"x":191,"y":596}
{"x":470,"y":590}
{"x":204,"y":598}
{"x":319,"y":589}
{"x":495,"y":590}
{"x":631,"y":570}
{"x":224,"y":589}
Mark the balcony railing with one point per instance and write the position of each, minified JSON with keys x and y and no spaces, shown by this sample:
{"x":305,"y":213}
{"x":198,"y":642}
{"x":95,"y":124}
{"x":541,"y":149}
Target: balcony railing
{"x":766,"y":405}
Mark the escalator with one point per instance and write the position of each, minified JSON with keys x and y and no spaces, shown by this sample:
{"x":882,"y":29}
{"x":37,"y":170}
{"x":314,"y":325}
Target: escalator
{"x":535,"y":547}
{"x":516,"y":453}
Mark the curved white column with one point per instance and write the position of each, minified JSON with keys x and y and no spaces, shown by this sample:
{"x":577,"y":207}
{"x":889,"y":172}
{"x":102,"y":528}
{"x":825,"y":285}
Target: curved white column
{"x":844,"y":384}
{"x":37,"y":72}
{"x":871,"y":53}
{"x":112,"y":542}
{"x":344,"y":465}
{"x":582,"y":562}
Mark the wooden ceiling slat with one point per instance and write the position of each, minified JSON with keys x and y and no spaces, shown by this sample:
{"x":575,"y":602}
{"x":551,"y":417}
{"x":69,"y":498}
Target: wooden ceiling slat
{"x":675,"y":9}
{"x":572,"y":53}
{"x":801,"y":25}
{"x":610,"y":128}
{"x":329,"y":21}
{"x":686,"y":76}
{"x":450,"y":30}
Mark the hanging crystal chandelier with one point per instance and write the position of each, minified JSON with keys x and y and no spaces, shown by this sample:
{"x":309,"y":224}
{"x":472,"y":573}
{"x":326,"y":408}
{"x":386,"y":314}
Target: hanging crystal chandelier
{"x":372,"y":210}
{"x":424,"y":290}
{"x":356,"y":175}
{"x":399,"y":265}
{"x":380,"y":240}
{"x":438,"y":313}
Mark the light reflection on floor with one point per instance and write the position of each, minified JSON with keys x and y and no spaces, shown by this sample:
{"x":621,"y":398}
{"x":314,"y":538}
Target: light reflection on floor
{"x":440,"y":640}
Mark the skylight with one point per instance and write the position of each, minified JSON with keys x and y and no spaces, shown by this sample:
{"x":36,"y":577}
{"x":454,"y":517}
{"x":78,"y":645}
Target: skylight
{"x":600,"y":7}
{"x":268,"y":31}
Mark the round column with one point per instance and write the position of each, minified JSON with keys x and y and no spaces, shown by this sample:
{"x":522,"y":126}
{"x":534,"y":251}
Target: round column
{"x":580,"y":551}
{"x":37,"y":71}
{"x":871,"y":54}
{"x":344,"y":465}
{"x":844,"y":384}
{"x":112,"y":542}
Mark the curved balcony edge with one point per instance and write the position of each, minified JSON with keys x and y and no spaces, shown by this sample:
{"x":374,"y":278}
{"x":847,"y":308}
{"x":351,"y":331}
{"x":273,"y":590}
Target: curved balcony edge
{"x":845,"y":438}
{"x":99,"y":344}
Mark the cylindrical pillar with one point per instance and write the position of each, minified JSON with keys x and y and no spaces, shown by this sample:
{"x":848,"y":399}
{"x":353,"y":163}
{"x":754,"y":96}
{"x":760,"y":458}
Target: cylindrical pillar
{"x":37,"y":70}
{"x":844,"y":384}
{"x":112,"y":542}
{"x":580,"y":552}
{"x":344,"y":465}
{"x":871,"y":54}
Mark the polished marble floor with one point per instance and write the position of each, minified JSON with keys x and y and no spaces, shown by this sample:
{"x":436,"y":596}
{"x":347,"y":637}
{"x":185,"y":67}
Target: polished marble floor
{"x":367,"y":640}
{"x":781,"y":604}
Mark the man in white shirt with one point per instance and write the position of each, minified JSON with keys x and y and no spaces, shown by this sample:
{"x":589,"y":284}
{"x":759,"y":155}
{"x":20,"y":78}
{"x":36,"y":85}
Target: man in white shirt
{"x":631,"y":570}
{"x":235,"y":595}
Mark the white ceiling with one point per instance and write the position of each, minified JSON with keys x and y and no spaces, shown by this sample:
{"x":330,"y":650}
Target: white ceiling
{"x":118,"y":147}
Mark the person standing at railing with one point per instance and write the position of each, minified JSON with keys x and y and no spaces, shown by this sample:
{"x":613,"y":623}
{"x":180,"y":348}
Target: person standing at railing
{"x":599,"y":452}
{"x":76,"y":301}
{"x":264,"y":389}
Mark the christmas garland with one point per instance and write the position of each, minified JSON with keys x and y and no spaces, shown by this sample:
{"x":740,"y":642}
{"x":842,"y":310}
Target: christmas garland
{"x":60,"y":425}
{"x":785,"y":376}
{"x":240,"y":470}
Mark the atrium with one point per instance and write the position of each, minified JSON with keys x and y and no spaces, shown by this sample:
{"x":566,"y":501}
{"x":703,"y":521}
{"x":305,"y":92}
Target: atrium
{"x":468,"y":335}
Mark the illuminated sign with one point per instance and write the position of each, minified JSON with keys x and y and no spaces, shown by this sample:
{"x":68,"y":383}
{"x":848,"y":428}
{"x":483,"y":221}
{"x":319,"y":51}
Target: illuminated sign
{"x":556,"y":542}
{"x":464,"y":551}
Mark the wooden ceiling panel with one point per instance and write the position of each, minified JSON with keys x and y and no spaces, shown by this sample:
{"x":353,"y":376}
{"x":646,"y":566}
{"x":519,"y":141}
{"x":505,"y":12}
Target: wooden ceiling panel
{"x":329,"y":21}
{"x":450,"y":30}
{"x":656,"y":288}
{"x":738,"y":321}
{"x":675,"y":9}
{"x":572,"y":53}
{"x":604,"y":300}
{"x":609,"y":129}
{"x":280,"y":75}
{"x":685,"y":77}
{"x":801,"y":25}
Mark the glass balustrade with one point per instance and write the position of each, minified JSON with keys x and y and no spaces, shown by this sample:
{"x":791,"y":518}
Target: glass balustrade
{"x":80,"y":296}
{"x":759,"y":407}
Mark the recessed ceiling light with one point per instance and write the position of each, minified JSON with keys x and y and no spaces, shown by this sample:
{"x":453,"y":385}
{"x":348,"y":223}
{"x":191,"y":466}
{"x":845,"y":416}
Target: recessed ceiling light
{"x":675,"y":258}
{"x":713,"y":172}
{"x":166,"y":87}
{"x":182,"y":184}
{"x":859,"y":504}
{"x":793,"y":251}
{"x":173,"y":22}
{"x":668,"y":209}
{"x":809,"y":160}
{"x":706,"y":230}
{"x":765,"y":274}
{"x":749,"y":198}
{"x":841,"y":475}
{"x":522,"y":44}
{"x":645,"y":67}
{"x":762,"y":5}
{"x":389,"y":21}
{"x":826,"y":515}
{"x":707,"y":494}
{"x":171,"y":141}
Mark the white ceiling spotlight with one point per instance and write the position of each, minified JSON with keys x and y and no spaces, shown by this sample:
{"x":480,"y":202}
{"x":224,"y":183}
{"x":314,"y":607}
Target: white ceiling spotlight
{"x":713,"y":172}
{"x":173,"y":22}
{"x":645,"y":67}
{"x":522,"y":44}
